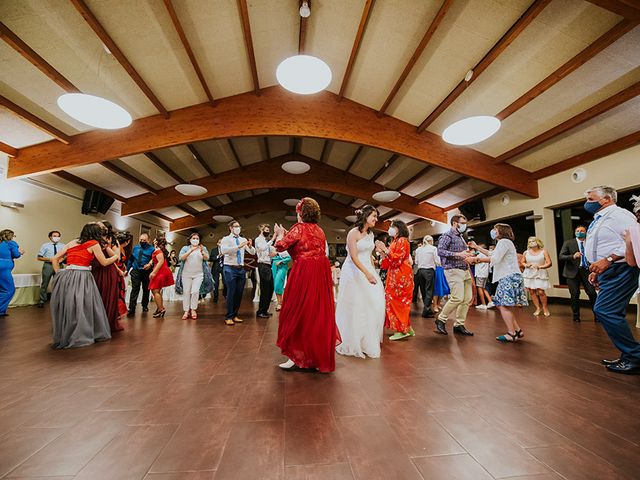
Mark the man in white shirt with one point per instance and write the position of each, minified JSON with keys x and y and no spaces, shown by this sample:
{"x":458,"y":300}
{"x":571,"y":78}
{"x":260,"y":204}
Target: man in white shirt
{"x":264,"y":250}
{"x":45,"y":254}
{"x":233,"y":247}
{"x":426,"y":259}
{"x":605,"y":251}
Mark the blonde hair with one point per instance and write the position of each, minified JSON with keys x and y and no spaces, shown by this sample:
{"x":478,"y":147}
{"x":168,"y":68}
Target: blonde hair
{"x":537,"y":240}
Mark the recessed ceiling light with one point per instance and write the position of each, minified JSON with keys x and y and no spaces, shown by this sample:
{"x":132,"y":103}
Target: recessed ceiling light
{"x":386,"y":196}
{"x":291,"y":218}
{"x":222,"y":218}
{"x":190,"y":190}
{"x":351,"y":218}
{"x":303,"y":74}
{"x":305,"y":11}
{"x":471,"y":130}
{"x":295,"y":167}
{"x":291,"y":202}
{"x":340,"y":230}
{"x":94,"y":111}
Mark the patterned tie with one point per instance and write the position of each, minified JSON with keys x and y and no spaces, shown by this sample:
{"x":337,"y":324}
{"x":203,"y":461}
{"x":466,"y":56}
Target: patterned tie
{"x":238,"y":254}
{"x":583,"y":258}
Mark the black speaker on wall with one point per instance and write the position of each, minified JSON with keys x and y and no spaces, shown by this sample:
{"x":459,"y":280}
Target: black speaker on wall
{"x":473,"y":210}
{"x":96,"y":202}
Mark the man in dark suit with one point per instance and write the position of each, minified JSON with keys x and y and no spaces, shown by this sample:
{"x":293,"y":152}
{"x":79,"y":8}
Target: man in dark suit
{"x":576,"y":270}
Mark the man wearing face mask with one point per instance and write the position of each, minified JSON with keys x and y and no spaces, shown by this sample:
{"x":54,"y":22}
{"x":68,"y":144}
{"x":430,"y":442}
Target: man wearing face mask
{"x":140,"y":265}
{"x":605,"y":251}
{"x":452,"y":250}
{"x":45,"y":254}
{"x":264,"y":251}
{"x":233,"y":247}
{"x":576,"y":270}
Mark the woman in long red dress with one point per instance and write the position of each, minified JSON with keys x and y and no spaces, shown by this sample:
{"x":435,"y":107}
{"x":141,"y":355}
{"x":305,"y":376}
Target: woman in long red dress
{"x":161,"y":275}
{"x":108,"y":278}
{"x":307,"y":333}
{"x":399,"y":288}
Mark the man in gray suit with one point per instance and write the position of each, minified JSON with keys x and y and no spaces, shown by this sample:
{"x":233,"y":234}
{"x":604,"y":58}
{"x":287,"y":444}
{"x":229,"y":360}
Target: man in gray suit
{"x":576,"y":271}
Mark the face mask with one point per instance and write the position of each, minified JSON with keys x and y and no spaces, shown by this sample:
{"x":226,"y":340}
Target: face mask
{"x":580,"y":235}
{"x":392,"y":231}
{"x":236,"y":230}
{"x":195,"y":242}
{"x":493,"y":234}
{"x":533,"y":244}
{"x":592,"y":207}
{"x":55,"y":239}
{"x":143,"y":242}
{"x":266,"y":234}
{"x":462,"y":227}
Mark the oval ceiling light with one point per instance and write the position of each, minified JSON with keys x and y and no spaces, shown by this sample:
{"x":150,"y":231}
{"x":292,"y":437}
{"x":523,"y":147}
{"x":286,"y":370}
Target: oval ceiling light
{"x":222,"y":218}
{"x":351,"y":218}
{"x":295,"y":167}
{"x":190,"y":190}
{"x":94,"y":111}
{"x":303,"y":74}
{"x":291,"y":202}
{"x":386,"y":196}
{"x":471,"y":130}
{"x":291,"y":218}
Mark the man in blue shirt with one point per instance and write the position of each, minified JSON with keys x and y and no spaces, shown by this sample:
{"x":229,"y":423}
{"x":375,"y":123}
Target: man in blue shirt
{"x":45,"y":254}
{"x":140,"y":265}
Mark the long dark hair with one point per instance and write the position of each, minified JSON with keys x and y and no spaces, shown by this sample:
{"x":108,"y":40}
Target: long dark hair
{"x":124,"y":237}
{"x":91,"y":231}
{"x":403,"y":230}
{"x":161,"y":243}
{"x":363,"y":213}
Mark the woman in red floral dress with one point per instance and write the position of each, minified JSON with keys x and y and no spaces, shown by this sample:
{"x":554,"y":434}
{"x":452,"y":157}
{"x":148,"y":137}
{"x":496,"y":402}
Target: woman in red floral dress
{"x":160,"y":277}
{"x":399,"y":288}
{"x":307,"y":332}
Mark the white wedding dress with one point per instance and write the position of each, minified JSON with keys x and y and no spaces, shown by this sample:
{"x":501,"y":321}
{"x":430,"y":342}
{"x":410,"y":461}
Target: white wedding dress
{"x":360,"y":309}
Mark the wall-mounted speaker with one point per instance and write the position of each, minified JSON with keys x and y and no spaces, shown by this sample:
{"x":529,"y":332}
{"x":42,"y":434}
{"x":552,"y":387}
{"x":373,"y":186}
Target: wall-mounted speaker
{"x":473,"y":211}
{"x":96,"y":202}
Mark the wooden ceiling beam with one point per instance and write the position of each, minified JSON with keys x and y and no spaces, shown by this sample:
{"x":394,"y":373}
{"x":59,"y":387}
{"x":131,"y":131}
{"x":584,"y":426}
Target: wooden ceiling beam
{"x":35,"y":121}
{"x":507,"y":39}
{"x":9,"y":150}
{"x":629,"y":9}
{"x":388,"y":164}
{"x":416,"y":221}
{"x":268,"y":174}
{"x":480,"y":196}
{"x":185,"y":207}
{"x":610,"y":148}
{"x":81,"y":182}
{"x":324,"y":156}
{"x":187,"y":47}
{"x":366,"y":13}
{"x":444,"y":188}
{"x":613,"y":34}
{"x":270,"y":114}
{"x":267,"y":150}
{"x":200,"y":159}
{"x":433,"y":26}
{"x":106,"y":39}
{"x":36,"y":60}
{"x":127,"y":176}
{"x":421,"y":173}
{"x":161,"y":216}
{"x":164,"y":167}
{"x":246,"y":30}
{"x":602,"y":107}
{"x":302,"y":34}
{"x":389,"y":214}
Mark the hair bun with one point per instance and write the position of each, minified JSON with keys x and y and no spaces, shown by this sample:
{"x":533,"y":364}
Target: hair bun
{"x":359,"y":211}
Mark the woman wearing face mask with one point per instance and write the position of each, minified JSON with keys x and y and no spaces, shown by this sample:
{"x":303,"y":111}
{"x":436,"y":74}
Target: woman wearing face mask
{"x":536,"y":261}
{"x":9,"y":250}
{"x":506,"y":271}
{"x":191,"y":274}
{"x":360,"y":309}
{"x":399,"y":289}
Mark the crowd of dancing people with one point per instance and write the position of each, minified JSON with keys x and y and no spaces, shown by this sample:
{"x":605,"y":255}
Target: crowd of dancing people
{"x":325,"y":307}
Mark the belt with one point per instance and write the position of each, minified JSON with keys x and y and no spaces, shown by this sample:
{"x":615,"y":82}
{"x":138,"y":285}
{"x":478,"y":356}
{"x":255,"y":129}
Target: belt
{"x":78,"y":267}
{"x":264,"y":263}
{"x":235,"y":266}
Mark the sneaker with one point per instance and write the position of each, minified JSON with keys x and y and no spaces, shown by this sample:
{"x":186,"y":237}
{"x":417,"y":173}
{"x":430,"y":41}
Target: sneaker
{"x":490,"y":305}
{"x":481,"y":307}
{"x":398,"y":336}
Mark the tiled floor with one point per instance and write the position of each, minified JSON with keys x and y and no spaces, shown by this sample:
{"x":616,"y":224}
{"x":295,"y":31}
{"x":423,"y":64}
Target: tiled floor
{"x":196,"y":400}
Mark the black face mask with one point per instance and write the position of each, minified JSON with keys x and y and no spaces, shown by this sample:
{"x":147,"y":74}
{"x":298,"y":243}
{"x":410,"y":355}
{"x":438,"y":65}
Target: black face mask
{"x":266,"y":234}
{"x":143,"y":243}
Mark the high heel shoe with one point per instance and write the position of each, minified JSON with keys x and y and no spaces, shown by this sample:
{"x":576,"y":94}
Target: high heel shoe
{"x":186,"y":315}
{"x":194,"y":315}
{"x":160,"y":313}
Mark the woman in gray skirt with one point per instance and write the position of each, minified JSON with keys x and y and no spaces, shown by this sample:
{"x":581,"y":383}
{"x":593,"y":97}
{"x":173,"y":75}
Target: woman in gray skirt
{"x":78,"y":314}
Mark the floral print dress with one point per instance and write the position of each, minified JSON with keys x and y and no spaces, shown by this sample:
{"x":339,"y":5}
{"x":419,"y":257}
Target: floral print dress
{"x":399,"y":286}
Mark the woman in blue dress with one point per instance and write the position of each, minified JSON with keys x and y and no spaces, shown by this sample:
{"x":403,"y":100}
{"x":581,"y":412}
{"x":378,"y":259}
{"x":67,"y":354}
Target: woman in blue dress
{"x":440,"y":285}
{"x":279,"y":267}
{"x":9,"y":250}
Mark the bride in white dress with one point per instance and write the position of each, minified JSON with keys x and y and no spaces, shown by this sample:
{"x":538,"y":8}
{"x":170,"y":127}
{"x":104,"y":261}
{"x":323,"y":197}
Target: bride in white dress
{"x":360,"y":307}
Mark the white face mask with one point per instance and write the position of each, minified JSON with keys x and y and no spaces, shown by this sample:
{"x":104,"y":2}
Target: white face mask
{"x":462,"y":227}
{"x":236,"y":230}
{"x":533,"y":244}
{"x":55,"y":239}
{"x":392,"y":231}
{"x":195,"y":242}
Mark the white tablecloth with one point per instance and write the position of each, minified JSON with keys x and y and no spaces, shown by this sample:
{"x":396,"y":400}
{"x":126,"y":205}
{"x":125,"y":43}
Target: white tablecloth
{"x":26,"y":279}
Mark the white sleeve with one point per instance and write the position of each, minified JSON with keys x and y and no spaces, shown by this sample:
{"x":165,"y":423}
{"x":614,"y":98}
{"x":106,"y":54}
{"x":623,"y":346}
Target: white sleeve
{"x":226,"y":247}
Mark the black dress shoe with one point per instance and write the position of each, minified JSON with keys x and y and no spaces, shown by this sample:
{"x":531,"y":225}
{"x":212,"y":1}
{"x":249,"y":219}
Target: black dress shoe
{"x":577,"y":319}
{"x":462,"y":331}
{"x":611,"y":362}
{"x":145,"y":309}
{"x":262,"y":315}
{"x":440,"y":328}
{"x":131,"y":313}
{"x":624,"y":366}
{"x":41,"y":305}
{"x":428,"y":315}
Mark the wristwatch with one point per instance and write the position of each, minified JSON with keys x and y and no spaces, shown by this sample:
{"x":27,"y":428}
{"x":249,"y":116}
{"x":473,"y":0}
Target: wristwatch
{"x":610,"y":259}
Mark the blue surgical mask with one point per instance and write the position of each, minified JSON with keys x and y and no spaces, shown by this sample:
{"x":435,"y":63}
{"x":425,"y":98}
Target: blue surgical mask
{"x":493,"y":234}
{"x":462,"y":227}
{"x":580,"y":235}
{"x":592,"y":207}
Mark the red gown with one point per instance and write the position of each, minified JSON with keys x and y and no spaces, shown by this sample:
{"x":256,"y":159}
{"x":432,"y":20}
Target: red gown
{"x":108,"y":282}
{"x":122,"y":292}
{"x":307,"y":332}
{"x":399,"y":288}
{"x":164,"y":277}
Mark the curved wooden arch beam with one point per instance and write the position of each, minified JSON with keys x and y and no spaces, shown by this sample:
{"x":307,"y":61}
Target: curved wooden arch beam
{"x":274,"y":113}
{"x":268,"y":174}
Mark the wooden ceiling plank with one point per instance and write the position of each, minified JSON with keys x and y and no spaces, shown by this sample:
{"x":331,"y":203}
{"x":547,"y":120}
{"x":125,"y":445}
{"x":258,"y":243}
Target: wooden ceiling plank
{"x":602,"y":107}
{"x":617,"y":31}
{"x":246,"y":30}
{"x":507,"y":39}
{"x":188,"y":209}
{"x":36,"y":60}
{"x":629,"y":9}
{"x":81,"y":182}
{"x":424,"y":170}
{"x":324,"y":156}
{"x":267,"y":150}
{"x":106,"y":39}
{"x":416,"y":221}
{"x":444,"y":188}
{"x":433,"y":26}
{"x":392,"y":159}
{"x":200,"y":159}
{"x":9,"y":150}
{"x":161,"y":216}
{"x":234,"y":152}
{"x":127,"y":176}
{"x":480,"y":196}
{"x":35,"y":121}
{"x":354,"y":158}
{"x":610,"y":148}
{"x":164,"y":167}
{"x":366,"y":13}
{"x":389,"y":214}
{"x":187,"y":47}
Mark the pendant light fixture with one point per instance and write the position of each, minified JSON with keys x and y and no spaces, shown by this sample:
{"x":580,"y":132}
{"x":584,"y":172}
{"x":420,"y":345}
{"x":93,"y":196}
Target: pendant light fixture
{"x":471,"y":130}
{"x":303,"y":74}
{"x":94,"y":111}
{"x":190,"y":190}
